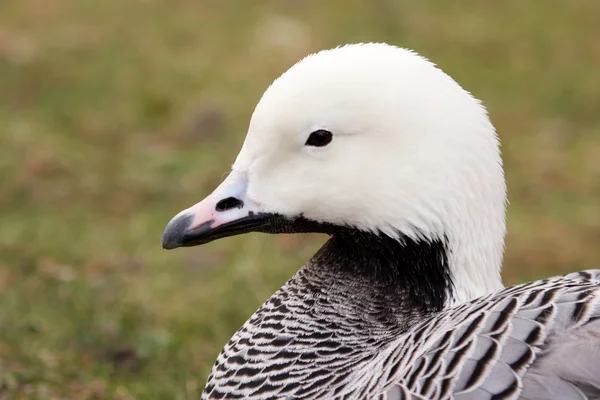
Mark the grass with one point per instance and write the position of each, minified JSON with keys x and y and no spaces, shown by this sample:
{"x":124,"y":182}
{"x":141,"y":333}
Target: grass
{"x":115,"y":115}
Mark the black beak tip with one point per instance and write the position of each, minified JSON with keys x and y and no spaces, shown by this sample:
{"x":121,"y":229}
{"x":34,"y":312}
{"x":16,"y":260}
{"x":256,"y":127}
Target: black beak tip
{"x":175,"y":231}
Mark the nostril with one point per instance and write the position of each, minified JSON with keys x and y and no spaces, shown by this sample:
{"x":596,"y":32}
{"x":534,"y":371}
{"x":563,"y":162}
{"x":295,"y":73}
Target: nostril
{"x":228,"y":204}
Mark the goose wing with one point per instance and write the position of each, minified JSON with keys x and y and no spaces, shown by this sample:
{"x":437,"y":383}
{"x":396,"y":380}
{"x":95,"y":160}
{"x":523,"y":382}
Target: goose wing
{"x":540,"y":340}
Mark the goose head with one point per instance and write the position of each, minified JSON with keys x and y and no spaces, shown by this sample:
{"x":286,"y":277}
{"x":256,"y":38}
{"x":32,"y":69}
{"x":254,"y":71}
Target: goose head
{"x":369,"y":137}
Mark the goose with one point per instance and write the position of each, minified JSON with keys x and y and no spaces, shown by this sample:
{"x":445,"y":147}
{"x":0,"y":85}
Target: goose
{"x":375,"y":146}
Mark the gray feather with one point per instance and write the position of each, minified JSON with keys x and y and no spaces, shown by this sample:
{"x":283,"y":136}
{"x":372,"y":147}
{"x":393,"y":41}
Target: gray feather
{"x":569,"y":368}
{"x":539,"y":340}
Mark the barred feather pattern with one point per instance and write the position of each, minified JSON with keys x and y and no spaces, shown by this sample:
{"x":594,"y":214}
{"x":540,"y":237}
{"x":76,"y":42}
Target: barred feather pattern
{"x":297,"y":345}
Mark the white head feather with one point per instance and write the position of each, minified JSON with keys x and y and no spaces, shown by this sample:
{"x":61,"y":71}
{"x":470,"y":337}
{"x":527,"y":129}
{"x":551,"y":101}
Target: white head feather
{"x":412,"y":153}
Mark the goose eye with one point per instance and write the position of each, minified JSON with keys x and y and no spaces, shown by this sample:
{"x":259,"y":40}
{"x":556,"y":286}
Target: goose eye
{"x":319,"y":138}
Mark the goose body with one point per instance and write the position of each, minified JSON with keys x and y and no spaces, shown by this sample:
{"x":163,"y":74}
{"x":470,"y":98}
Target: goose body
{"x":483,"y":349}
{"x":375,"y":146}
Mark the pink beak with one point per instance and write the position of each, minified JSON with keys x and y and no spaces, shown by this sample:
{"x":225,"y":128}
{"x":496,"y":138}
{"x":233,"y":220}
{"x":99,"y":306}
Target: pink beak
{"x":225,"y":212}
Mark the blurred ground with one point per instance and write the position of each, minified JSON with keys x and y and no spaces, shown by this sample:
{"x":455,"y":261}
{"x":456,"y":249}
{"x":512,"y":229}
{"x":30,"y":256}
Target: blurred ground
{"x":115,"y":115}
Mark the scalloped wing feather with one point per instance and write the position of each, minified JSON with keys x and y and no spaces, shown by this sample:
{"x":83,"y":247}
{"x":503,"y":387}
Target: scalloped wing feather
{"x":534,"y":341}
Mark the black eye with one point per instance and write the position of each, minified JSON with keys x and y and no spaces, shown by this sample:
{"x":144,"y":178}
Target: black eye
{"x":319,"y":138}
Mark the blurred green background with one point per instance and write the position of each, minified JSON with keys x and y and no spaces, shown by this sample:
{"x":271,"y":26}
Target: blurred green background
{"x":115,"y":115}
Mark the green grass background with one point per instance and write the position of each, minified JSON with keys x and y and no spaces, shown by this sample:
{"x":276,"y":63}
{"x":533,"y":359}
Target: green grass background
{"x":115,"y":115}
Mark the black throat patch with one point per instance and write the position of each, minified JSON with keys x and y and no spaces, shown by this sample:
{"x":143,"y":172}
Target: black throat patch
{"x":404,"y":277}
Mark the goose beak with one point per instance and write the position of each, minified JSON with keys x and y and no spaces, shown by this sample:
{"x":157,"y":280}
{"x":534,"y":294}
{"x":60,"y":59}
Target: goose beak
{"x":225,"y":212}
